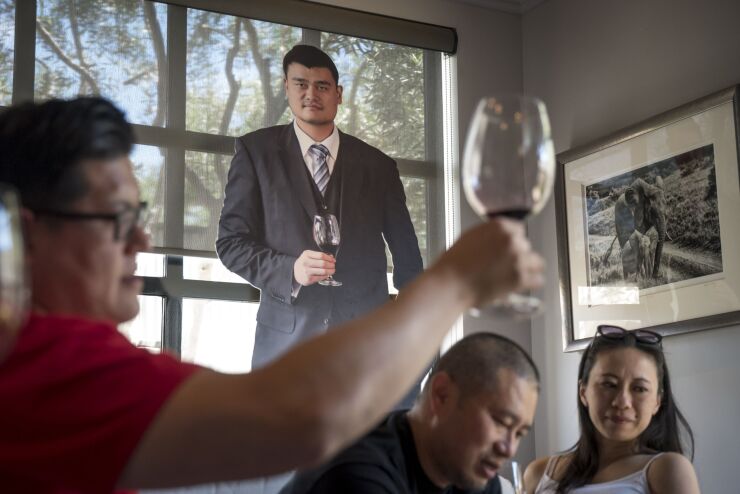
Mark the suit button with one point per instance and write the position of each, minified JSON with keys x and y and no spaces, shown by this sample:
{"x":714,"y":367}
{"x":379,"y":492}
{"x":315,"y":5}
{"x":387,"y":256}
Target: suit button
{"x":326,"y":322}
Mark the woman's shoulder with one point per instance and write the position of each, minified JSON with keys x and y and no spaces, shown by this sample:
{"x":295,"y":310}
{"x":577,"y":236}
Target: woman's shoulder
{"x":672,"y":472}
{"x":669,"y":462}
{"x":534,"y":472}
{"x":537,"y":468}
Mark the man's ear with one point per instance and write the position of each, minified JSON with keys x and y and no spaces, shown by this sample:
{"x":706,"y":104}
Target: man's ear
{"x":340,"y":89}
{"x":441,"y":390}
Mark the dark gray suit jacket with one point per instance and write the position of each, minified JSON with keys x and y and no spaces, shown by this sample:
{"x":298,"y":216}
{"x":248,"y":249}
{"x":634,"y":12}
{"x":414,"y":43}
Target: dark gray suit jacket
{"x":266,"y":223}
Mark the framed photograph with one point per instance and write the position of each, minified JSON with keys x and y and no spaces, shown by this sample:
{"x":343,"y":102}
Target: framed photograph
{"x":648,"y":223}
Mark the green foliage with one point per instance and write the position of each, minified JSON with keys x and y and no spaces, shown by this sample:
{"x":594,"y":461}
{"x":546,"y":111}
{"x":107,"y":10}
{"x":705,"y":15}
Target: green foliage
{"x":7,"y":33}
{"x":383,"y":93}
{"x":234,"y":85}
{"x":257,"y":99}
{"x":383,"y":104}
{"x":416,"y":195}
{"x":89,"y":47}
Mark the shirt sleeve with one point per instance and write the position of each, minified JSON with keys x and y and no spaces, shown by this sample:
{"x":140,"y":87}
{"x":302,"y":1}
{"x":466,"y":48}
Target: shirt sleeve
{"x":80,"y":397}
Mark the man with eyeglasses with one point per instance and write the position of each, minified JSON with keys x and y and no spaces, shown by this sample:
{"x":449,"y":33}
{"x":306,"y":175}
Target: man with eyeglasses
{"x":123,"y":221}
{"x":82,"y":410}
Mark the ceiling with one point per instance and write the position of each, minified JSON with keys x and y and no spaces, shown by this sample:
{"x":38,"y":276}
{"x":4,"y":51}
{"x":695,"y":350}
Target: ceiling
{"x":512,"y":6}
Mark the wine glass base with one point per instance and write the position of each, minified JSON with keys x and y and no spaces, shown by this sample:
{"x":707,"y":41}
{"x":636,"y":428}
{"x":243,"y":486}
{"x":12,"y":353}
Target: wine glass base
{"x":330,"y":282}
{"x":515,"y":304}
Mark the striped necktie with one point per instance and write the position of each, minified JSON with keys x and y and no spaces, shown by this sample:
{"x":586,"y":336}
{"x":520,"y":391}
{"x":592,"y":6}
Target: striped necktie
{"x":319,"y":154}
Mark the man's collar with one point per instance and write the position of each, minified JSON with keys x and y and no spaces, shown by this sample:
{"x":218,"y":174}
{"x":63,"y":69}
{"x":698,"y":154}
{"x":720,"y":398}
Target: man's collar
{"x":305,"y":141}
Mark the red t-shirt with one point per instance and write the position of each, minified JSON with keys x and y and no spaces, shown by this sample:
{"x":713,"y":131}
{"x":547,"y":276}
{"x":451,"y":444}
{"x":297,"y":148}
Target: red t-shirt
{"x":75,"y":399}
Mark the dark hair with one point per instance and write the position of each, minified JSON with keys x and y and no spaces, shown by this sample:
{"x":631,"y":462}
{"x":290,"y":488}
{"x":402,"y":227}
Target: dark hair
{"x":667,"y":431}
{"x":473,"y":362}
{"x":309,"y":56}
{"x":43,"y":144}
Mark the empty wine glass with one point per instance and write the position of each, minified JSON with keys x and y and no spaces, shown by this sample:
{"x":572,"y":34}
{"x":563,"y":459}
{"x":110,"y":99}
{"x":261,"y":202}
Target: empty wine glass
{"x":516,"y":474}
{"x":13,"y":284}
{"x":509,"y":167}
{"x":326,"y":234}
{"x":512,"y":474}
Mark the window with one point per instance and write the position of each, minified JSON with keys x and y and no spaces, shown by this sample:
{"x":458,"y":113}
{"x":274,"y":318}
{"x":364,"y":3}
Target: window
{"x":148,"y":162}
{"x":7,"y":37}
{"x":146,"y":330}
{"x":225,"y":346}
{"x":190,"y":80}
{"x":234,"y":73}
{"x":106,"y":48}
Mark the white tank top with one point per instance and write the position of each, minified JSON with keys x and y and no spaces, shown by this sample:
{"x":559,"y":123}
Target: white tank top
{"x":634,"y":483}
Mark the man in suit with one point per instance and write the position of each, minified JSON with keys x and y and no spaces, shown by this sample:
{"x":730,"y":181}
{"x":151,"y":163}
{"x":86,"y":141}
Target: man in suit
{"x":476,"y":406}
{"x":272,"y":195}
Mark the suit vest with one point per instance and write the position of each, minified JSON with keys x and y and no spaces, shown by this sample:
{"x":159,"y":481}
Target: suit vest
{"x":331,"y":200}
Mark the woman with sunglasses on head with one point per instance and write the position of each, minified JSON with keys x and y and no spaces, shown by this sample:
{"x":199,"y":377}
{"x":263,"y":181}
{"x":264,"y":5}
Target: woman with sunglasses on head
{"x":632,"y":433}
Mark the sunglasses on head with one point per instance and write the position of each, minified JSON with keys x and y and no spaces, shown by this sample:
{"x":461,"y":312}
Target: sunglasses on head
{"x":617,"y":333}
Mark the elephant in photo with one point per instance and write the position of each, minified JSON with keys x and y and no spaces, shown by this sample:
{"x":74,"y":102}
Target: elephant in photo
{"x":640,"y":221}
{"x":638,"y":254}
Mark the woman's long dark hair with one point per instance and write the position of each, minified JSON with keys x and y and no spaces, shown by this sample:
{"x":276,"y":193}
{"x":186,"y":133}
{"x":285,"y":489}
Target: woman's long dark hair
{"x":668,"y":430}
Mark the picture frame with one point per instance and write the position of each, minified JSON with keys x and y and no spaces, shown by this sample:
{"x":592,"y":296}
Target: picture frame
{"x":648,"y":224}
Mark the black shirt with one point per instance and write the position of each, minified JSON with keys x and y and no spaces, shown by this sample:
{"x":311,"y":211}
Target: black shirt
{"x":383,"y":462}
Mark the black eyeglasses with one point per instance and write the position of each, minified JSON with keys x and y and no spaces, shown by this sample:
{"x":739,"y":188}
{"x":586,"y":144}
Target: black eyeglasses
{"x":124,"y":221}
{"x":617,"y":333}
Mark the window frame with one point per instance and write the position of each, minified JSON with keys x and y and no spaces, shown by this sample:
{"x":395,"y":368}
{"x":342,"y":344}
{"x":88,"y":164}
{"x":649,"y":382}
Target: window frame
{"x":175,"y":140}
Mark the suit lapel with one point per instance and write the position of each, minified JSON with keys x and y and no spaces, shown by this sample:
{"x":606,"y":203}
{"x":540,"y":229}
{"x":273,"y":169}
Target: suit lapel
{"x":295,"y":170}
{"x":351,"y":186}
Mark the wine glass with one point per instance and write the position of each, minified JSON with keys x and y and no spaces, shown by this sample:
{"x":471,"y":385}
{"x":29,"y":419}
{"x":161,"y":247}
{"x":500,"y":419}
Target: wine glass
{"x":326,"y":234}
{"x":509,"y":167}
{"x":512,"y":473}
{"x":13,"y":284}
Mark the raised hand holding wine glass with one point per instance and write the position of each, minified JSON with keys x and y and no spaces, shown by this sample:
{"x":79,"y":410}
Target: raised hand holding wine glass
{"x":509,"y":166}
{"x":327,"y":237}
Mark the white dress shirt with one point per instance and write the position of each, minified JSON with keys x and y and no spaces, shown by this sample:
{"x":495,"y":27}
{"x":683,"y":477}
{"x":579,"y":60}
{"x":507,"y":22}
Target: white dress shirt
{"x":331,"y":143}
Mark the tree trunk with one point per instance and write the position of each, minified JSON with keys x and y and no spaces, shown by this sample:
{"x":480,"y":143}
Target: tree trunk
{"x":150,"y":15}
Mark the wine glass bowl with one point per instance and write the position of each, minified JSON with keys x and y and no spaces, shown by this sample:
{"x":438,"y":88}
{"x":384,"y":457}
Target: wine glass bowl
{"x":509,"y":167}
{"x":13,"y":282}
{"x":509,"y":160}
{"x":326,"y":235}
{"x":512,"y":473}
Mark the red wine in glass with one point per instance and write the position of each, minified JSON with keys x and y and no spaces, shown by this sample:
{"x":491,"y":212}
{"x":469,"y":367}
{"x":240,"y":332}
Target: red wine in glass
{"x":514,"y":214}
{"x":330,"y":249}
{"x":326,"y":235}
{"x":509,"y":167}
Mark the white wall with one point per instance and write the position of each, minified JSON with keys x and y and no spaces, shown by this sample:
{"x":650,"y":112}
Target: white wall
{"x":601,"y":65}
